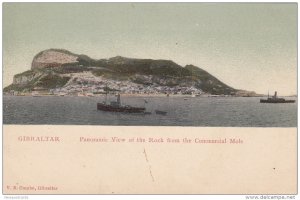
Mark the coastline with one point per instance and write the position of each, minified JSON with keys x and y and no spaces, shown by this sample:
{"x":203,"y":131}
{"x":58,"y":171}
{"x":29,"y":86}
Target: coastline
{"x":137,"y":95}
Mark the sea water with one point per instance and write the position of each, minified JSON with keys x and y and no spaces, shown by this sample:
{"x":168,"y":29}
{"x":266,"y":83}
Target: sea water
{"x":181,"y":111}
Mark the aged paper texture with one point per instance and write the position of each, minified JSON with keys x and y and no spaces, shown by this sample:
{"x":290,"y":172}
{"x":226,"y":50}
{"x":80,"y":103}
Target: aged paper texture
{"x":149,"y":160}
{"x":150,"y":98}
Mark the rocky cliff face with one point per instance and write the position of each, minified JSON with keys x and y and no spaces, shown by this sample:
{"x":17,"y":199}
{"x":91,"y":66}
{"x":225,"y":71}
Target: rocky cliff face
{"x":22,"y":80}
{"x":26,"y":77}
{"x":53,"y":58}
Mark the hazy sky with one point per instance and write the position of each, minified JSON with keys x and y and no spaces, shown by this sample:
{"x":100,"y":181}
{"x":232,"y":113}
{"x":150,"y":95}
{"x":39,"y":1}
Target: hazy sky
{"x":247,"y":46}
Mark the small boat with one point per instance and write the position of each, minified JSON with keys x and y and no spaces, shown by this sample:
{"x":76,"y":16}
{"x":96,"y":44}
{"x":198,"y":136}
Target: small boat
{"x":185,"y":99}
{"x":275,"y":99}
{"x":160,"y":112}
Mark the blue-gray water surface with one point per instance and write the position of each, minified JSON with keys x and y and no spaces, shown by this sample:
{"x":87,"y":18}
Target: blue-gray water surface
{"x":199,"y":111}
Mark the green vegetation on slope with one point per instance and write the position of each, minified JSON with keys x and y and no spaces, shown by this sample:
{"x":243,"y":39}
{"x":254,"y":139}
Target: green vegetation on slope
{"x":160,"y":72}
{"x":51,"y":81}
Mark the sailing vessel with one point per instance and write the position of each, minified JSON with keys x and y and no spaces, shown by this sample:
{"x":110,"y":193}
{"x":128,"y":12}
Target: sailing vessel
{"x":116,"y":106}
{"x":275,"y":99}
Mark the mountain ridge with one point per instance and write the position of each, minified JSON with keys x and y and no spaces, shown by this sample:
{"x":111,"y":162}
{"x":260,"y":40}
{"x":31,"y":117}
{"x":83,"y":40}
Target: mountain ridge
{"x":52,"y":69}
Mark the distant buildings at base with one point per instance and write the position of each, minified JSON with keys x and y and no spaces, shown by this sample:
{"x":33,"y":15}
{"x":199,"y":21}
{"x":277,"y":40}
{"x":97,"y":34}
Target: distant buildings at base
{"x":86,"y":84}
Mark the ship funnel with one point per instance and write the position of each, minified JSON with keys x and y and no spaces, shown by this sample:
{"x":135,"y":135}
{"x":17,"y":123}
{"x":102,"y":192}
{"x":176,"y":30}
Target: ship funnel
{"x":275,"y":95}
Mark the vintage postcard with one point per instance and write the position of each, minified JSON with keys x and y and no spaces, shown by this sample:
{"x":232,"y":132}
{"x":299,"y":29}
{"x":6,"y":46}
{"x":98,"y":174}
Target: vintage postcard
{"x":150,"y":98}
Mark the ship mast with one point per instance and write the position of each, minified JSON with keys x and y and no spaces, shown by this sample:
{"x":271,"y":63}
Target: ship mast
{"x":119,"y":99}
{"x":119,"y":96}
{"x":106,"y":90}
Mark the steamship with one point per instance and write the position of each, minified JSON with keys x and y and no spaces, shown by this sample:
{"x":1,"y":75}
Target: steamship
{"x":116,"y":106}
{"x":275,"y":99}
